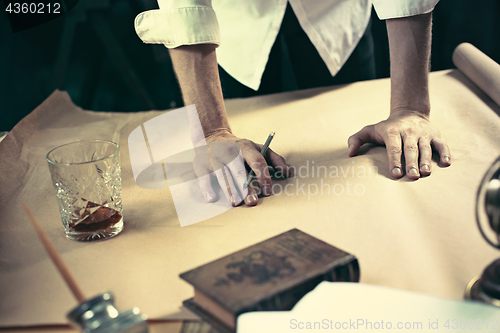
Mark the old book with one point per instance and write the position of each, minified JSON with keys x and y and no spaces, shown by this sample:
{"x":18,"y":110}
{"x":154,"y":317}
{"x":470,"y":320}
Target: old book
{"x":269,"y":276}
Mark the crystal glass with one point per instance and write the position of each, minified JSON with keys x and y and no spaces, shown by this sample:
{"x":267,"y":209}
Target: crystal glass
{"x":87,"y":178}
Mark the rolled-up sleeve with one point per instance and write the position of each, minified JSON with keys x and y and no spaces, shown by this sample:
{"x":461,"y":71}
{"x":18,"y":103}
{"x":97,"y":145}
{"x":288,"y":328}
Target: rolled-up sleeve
{"x":179,"y":22}
{"x":388,"y":9}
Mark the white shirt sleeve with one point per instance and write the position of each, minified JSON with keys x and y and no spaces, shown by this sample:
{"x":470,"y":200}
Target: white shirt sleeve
{"x":388,"y":9}
{"x":179,"y":22}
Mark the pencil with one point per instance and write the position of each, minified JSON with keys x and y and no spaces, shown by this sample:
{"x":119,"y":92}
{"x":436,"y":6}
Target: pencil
{"x":263,"y":153}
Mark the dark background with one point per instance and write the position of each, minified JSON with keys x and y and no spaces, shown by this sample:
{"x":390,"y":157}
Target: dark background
{"x":94,"y":53}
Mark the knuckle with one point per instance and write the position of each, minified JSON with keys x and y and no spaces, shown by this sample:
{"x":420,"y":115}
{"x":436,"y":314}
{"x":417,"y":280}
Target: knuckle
{"x":410,"y":147}
{"x":395,"y":149}
{"x":261,"y":159}
{"x":436,"y":141}
{"x":393,"y":132}
{"x":425,"y":146}
{"x":410,"y":131}
{"x":366,"y":128}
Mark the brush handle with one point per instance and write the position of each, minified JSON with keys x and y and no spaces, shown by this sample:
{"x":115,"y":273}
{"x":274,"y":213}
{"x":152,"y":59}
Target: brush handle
{"x":56,"y":257}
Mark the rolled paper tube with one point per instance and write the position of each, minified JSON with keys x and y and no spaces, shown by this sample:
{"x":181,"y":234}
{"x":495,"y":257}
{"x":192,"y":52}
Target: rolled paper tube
{"x":479,"y":68}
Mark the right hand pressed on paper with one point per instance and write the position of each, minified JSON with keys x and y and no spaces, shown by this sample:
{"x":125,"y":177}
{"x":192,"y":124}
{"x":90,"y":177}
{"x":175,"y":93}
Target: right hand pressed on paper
{"x":409,"y":132}
{"x":226,"y":154}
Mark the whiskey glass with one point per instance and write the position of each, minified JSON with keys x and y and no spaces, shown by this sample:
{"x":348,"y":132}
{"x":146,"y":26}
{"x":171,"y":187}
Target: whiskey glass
{"x":87,"y":179}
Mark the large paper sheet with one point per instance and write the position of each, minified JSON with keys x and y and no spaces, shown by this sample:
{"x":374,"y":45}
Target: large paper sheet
{"x":412,"y":235}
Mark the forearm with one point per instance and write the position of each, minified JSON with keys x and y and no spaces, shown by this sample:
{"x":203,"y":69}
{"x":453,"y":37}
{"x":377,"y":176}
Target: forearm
{"x":198,"y":76}
{"x":410,"y":48}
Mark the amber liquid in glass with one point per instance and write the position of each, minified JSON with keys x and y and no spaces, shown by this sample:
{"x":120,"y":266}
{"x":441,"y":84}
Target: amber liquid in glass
{"x":95,"y":220}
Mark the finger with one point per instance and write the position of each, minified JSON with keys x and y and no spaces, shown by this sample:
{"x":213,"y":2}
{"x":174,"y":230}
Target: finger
{"x":222,"y":182}
{"x":393,"y":145}
{"x":279,"y":164}
{"x":227,"y":185}
{"x":252,"y":199}
{"x":235,"y":193}
{"x":425,"y":152}
{"x":221,"y":155}
{"x":443,"y":150}
{"x":239,"y":175}
{"x":203,"y":171}
{"x":355,"y":141}
{"x":206,"y":189}
{"x":411,"y":157}
{"x":259,"y":165}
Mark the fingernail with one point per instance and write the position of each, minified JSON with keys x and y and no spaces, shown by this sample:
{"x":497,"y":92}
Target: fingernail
{"x":413,"y":172}
{"x":266,"y":190}
{"x":350,"y":146}
{"x":425,"y":168}
{"x":210,"y":197}
{"x":396,"y":172}
{"x":252,"y":198}
{"x":446,"y":159}
{"x":233,"y":203}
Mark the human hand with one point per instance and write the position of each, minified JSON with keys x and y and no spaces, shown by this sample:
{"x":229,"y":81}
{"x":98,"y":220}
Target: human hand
{"x":226,"y":154}
{"x":405,"y":131}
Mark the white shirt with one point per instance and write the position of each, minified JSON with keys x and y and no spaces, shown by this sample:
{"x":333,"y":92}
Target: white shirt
{"x":249,"y":28}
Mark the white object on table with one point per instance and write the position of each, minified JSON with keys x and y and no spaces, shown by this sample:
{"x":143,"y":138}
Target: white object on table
{"x":342,"y":306}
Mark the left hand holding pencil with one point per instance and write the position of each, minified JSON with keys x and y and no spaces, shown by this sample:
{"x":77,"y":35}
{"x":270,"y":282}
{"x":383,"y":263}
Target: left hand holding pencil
{"x":231,"y":172}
